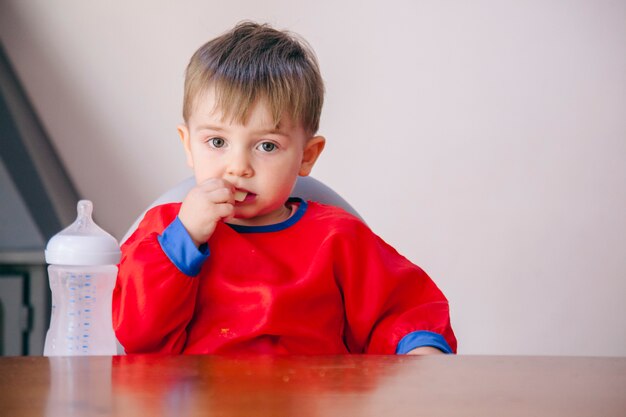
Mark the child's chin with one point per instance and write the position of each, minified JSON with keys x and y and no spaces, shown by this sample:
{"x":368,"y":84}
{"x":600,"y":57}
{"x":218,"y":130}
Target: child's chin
{"x":241,"y":213}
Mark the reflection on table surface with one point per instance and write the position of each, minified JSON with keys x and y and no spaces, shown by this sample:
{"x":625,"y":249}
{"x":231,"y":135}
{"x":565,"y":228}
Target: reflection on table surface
{"x":357,"y":385}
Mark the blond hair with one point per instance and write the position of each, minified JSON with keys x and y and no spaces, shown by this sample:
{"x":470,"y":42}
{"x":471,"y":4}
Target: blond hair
{"x":252,"y":62}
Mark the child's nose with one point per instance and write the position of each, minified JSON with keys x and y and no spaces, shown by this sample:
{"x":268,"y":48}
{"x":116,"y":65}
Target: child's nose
{"x":239,"y":165}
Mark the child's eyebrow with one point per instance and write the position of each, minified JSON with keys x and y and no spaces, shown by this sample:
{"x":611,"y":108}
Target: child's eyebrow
{"x":270,"y":130}
{"x":210,"y":127}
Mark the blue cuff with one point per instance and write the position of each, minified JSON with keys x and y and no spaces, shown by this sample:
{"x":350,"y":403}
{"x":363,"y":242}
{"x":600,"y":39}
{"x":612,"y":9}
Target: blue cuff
{"x":179,"y":247}
{"x":422,"y":338}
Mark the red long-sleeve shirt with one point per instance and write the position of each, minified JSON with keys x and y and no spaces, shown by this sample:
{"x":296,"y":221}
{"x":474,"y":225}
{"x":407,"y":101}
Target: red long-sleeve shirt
{"x":319,"y":283}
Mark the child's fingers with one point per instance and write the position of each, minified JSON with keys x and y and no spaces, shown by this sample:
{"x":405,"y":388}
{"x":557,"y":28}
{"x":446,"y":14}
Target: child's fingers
{"x":221,"y":196}
{"x":215,"y":183}
{"x":217,"y":190}
{"x":224,"y":210}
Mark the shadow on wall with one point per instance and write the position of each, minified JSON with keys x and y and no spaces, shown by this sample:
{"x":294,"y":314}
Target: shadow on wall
{"x":60,"y":101}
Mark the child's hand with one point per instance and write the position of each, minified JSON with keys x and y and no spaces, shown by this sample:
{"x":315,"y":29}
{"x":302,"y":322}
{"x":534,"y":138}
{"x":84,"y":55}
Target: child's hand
{"x":205,"y":205}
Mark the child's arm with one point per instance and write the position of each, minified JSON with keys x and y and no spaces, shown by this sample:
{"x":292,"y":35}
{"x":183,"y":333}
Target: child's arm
{"x":389,"y":300}
{"x":153,"y":300}
{"x":155,"y":295}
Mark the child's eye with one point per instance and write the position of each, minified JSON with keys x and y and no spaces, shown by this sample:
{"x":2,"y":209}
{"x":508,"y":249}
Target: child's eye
{"x":217,"y":142}
{"x":267,"y":146}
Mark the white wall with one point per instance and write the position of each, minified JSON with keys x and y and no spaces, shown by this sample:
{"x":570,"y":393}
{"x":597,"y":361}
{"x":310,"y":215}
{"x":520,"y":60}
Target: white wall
{"x":486,"y":140}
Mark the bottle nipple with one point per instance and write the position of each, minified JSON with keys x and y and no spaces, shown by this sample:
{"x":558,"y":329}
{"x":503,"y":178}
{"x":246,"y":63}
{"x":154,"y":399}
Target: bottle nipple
{"x":83,"y":242}
{"x":85,"y":210}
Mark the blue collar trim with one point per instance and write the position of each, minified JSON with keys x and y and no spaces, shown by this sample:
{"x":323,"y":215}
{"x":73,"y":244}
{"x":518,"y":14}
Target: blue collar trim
{"x":278,"y":226}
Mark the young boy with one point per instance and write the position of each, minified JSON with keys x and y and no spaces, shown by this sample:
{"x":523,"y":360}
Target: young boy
{"x":239,"y":266}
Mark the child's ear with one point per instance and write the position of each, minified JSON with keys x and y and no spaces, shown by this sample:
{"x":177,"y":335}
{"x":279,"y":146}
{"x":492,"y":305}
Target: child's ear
{"x":312,"y":150}
{"x":183,"y":132}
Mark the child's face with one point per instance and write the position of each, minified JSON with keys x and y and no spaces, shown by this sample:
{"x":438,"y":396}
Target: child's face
{"x":254,"y":157}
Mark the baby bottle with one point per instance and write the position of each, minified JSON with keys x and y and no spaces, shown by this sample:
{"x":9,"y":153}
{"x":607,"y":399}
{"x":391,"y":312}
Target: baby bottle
{"x":82,"y":273}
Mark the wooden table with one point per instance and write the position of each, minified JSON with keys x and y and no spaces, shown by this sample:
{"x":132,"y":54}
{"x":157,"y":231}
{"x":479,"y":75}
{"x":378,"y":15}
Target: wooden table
{"x":382,"y":386}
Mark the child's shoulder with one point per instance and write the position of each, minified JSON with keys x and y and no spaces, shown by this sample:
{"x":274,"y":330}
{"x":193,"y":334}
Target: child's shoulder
{"x":164,"y":210}
{"x":335,"y":218}
{"x":154,"y":220}
{"x":159,"y":217}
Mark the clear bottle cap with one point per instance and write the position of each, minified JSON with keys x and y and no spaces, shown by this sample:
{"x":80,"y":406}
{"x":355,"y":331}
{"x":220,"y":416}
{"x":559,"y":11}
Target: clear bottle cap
{"x":83,"y":242}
